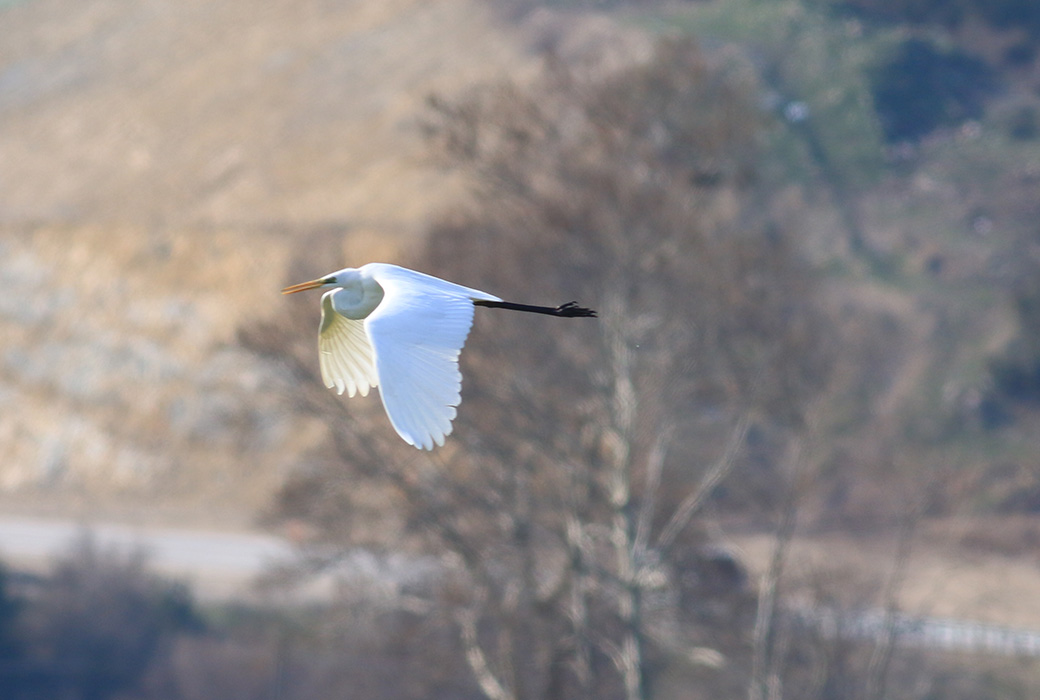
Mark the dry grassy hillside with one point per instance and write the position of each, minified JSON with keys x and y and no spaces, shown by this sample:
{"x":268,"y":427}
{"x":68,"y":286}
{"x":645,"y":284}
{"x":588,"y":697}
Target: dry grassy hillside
{"x":155,"y":160}
{"x":166,"y":167}
{"x":180,"y":113}
{"x":161,"y":162}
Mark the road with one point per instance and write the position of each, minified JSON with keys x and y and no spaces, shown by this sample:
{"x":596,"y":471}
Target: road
{"x":224,"y":565}
{"x":216,"y":564}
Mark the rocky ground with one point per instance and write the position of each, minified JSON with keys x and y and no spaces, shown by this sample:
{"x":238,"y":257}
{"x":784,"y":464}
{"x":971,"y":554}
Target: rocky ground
{"x":156,"y":160}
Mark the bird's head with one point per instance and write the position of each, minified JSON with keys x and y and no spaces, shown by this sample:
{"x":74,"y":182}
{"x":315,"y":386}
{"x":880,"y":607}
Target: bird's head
{"x":336,"y":279}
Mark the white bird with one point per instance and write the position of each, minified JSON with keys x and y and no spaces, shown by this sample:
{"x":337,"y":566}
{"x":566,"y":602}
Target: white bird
{"x":401,"y":330}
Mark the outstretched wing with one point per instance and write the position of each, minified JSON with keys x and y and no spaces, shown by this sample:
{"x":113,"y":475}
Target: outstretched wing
{"x":344,"y":353}
{"x":417,"y":332}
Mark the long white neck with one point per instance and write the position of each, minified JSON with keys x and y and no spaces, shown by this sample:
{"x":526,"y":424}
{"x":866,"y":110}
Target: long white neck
{"x":358,"y":296}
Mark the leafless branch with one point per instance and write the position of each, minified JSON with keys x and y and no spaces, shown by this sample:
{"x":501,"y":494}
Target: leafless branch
{"x":881,"y":656}
{"x":654,"y":468}
{"x":688,"y":508}
{"x":765,"y":678}
{"x":466,"y":619}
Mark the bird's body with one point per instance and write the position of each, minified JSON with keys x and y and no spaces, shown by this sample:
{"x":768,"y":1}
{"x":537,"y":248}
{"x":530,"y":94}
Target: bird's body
{"x":401,"y":330}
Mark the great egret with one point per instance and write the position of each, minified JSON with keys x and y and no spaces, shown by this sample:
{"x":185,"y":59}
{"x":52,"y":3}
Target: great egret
{"x":401,"y":330}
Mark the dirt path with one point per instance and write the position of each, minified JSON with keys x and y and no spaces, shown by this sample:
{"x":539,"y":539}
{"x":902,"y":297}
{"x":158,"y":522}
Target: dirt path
{"x":218,"y":564}
{"x":941,"y":581}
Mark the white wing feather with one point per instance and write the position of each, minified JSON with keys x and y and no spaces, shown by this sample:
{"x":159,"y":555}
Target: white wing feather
{"x":344,"y":353}
{"x":417,"y":333}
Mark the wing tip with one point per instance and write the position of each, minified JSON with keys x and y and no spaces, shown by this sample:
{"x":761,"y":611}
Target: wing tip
{"x":431,"y":439}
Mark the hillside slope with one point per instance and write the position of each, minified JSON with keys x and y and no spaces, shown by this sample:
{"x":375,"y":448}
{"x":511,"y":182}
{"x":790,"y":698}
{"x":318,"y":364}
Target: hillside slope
{"x":227,"y":112}
{"x":155,"y":159}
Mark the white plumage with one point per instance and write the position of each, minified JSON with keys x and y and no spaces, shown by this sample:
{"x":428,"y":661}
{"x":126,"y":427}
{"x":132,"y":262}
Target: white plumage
{"x":387,"y":326}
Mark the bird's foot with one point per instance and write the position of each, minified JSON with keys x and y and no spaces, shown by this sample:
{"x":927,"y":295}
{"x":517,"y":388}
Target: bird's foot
{"x":572,"y":310}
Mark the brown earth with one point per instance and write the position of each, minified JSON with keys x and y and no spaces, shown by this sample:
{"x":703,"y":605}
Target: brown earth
{"x":945,"y":575}
{"x":155,"y":162}
{"x":155,"y":159}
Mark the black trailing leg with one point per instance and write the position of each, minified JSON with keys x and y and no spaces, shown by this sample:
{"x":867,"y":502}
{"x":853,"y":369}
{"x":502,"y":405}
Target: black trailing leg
{"x":568,"y":310}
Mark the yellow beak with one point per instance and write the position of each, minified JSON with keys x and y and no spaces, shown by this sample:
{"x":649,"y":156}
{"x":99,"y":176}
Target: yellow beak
{"x":303,"y":286}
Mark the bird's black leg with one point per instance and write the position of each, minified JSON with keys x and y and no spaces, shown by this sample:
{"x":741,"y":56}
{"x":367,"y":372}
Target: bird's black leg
{"x":572,"y":310}
{"x":568,"y":310}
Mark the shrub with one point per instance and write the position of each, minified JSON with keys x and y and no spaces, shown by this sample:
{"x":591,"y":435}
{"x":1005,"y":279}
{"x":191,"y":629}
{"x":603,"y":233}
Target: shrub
{"x":923,"y":88}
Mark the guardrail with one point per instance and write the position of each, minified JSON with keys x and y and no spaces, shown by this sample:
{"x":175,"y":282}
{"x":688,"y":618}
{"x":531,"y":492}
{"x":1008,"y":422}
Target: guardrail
{"x":921,"y":632}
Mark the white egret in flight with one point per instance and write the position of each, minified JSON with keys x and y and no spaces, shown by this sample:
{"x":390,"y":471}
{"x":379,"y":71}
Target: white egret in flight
{"x":401,"y":330}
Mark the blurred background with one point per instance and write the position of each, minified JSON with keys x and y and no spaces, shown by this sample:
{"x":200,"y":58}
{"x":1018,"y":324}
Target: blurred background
{"x":797,"y":455}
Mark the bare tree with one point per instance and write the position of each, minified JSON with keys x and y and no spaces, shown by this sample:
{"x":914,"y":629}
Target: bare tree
{"x":583,"y":452}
